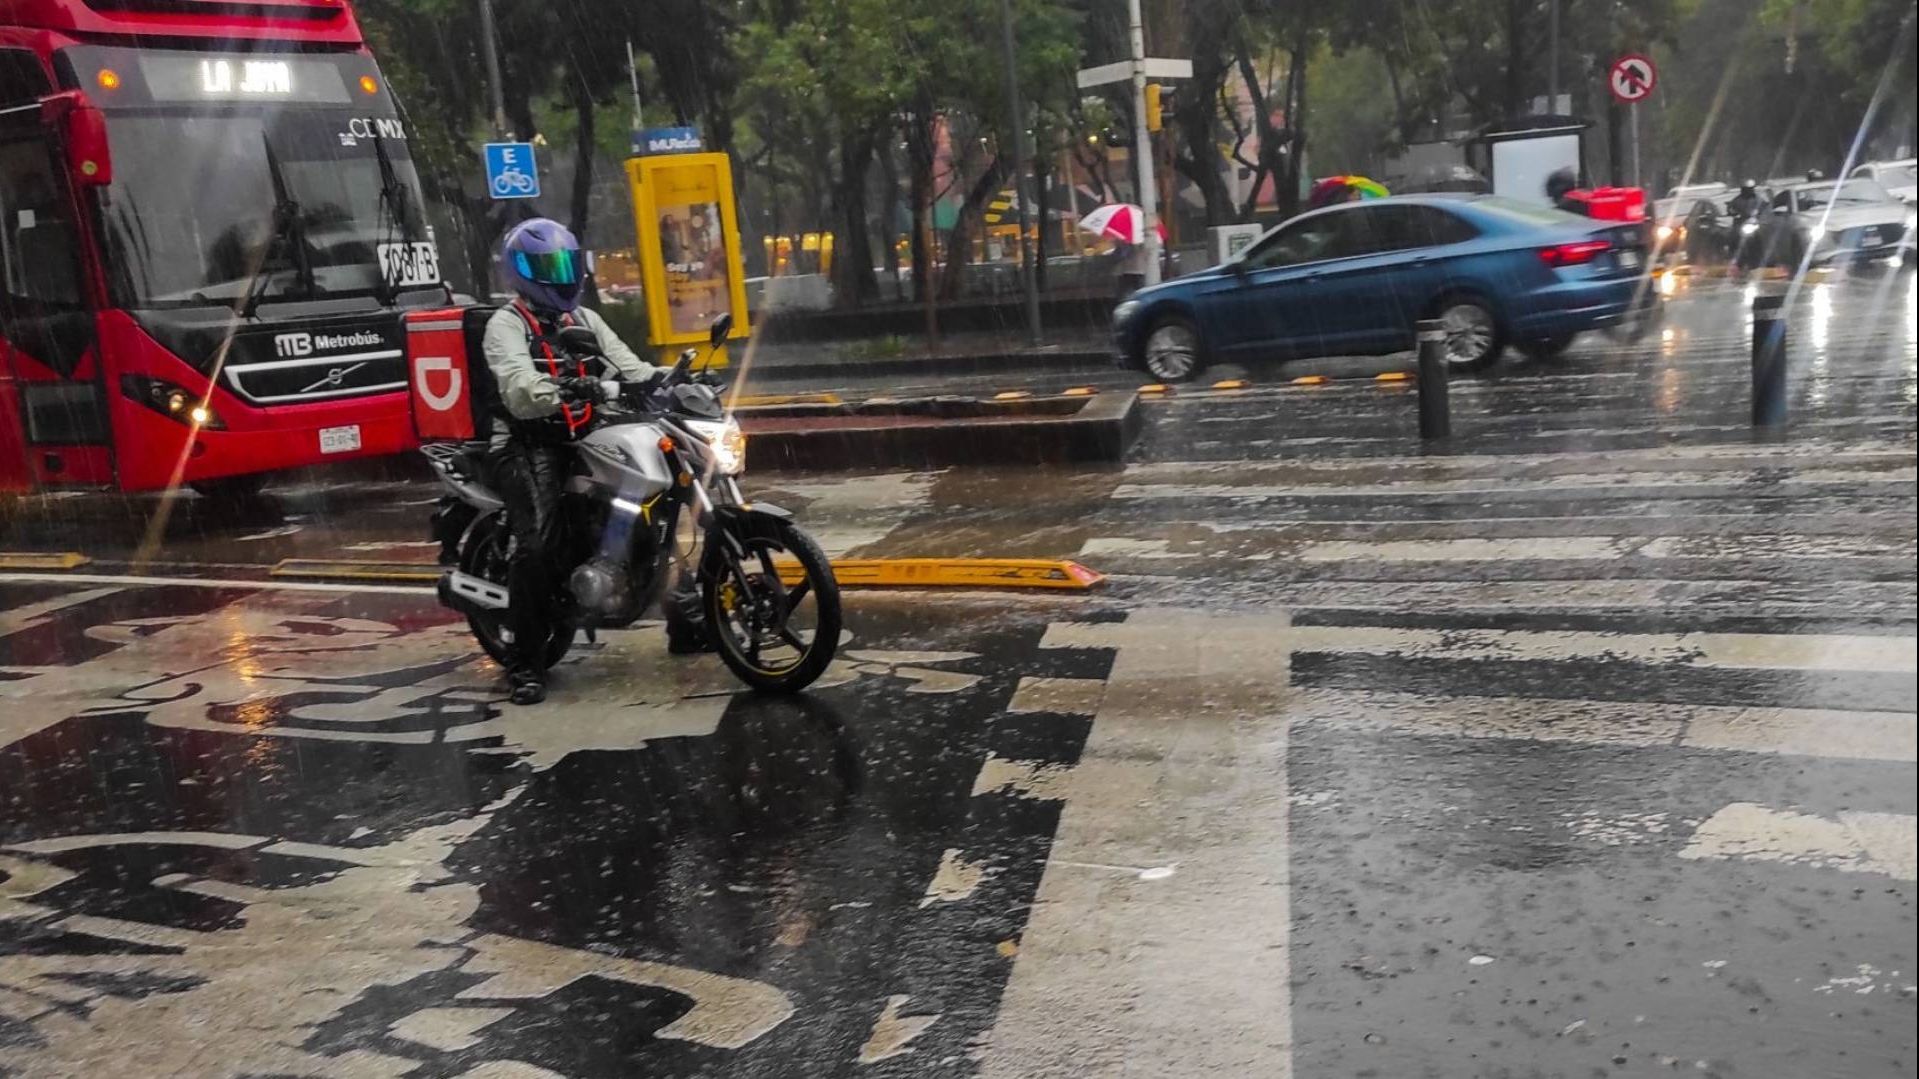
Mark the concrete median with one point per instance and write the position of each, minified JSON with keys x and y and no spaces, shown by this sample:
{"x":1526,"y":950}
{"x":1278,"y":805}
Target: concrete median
{"x":937,"y":432}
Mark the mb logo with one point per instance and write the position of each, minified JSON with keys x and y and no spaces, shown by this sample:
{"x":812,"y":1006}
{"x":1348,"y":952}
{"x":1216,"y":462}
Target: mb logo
{"x":290,"y":345}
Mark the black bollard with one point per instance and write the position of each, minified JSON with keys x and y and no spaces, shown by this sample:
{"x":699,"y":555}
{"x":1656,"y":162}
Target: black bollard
{"x":1769,"y":361}
{"x":1435,"y":418}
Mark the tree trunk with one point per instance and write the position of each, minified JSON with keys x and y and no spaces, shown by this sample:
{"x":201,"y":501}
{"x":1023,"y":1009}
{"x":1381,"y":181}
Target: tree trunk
{"x":959,"y":242}
{"x":853,"y":280}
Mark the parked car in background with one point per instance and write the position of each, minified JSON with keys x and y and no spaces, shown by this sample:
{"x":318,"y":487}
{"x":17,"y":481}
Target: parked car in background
{"x":1899,"y":178}
{"x":1354,"y":279}
{"x":1847,"y":221}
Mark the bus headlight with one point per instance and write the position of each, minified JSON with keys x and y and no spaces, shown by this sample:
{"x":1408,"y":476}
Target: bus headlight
{"x":172,"y":401}
{"x":727,"y":442}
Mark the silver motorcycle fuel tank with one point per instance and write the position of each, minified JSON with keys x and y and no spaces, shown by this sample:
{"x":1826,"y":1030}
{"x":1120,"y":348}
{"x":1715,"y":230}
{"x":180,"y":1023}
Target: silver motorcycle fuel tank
{"x":625,"y":460}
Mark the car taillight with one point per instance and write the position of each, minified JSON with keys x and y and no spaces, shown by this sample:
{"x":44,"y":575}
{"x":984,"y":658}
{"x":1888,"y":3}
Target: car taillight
{"x":1574,"y":254}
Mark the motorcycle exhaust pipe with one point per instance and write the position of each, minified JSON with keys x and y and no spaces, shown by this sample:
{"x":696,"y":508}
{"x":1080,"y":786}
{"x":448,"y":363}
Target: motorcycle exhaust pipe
{"x":470,"y":594}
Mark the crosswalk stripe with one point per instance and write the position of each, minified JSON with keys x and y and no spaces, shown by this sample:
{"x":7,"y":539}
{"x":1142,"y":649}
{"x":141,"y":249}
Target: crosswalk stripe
{"x":1743,"y":651}
{"x":1794,"y":732}
{"x":1882,"y":843}
{"x":1706,"y":456}
{"x":1898,"y":481}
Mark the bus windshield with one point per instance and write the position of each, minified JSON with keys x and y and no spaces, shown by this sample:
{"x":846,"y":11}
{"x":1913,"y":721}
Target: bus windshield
{"x":262,"y":206}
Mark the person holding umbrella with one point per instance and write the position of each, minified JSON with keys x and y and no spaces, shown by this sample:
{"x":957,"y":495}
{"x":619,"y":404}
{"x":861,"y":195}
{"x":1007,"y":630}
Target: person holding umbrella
{"x":1334,"y":190}
{"x":1125,"y":223}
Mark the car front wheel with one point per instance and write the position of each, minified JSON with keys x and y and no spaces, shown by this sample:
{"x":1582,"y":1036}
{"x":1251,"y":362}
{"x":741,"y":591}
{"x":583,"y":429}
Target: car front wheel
{"x":1171,"y":350}
{"x":1473,"y":337}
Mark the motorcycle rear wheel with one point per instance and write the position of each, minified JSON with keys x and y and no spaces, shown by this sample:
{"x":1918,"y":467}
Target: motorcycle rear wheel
{"x":757,"y":620}
{"x":484,"y":556}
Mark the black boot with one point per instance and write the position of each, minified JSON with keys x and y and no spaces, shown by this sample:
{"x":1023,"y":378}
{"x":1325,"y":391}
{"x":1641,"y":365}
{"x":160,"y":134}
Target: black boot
{"x":687,"y":633}
{"x":529,"y":685}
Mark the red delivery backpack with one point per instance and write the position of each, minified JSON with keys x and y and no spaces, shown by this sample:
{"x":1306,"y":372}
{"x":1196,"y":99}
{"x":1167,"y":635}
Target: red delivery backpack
{"x":450,"y":387}
{"x":1625,"y":204}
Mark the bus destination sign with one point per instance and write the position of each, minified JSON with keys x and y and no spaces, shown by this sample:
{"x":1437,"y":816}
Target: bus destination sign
{"x":244,"y":78}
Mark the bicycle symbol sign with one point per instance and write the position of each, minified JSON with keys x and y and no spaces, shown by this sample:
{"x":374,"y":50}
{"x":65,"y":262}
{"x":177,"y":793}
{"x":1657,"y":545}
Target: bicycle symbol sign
{"x":512,"y":171}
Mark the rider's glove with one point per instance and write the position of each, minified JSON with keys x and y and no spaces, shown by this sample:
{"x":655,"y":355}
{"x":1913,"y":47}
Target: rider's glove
{"x":710,"y":379}
{"x":582,"y":390}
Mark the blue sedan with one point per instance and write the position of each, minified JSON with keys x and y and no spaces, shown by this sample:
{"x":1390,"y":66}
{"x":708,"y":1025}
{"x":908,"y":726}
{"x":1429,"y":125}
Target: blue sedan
{"x":1355,"y":279}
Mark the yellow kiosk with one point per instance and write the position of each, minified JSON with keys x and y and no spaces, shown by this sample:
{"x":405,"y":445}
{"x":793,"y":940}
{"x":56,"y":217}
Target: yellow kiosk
{"x":689,"y":247}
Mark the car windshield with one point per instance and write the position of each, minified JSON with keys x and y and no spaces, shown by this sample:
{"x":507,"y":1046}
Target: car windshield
{"x":200,"y":235}
{"x":1905,"y":175}
{"x":1847,"y":193}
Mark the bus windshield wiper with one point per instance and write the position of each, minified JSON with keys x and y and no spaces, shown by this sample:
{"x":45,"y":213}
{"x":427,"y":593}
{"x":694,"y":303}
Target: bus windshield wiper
{"x":394,"y":202}
{"x":289,"y":230}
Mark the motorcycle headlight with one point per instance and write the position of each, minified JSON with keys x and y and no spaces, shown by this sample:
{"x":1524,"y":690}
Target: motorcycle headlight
{"x":1665,"y":232}
{"x":726,"y":440}
{"x":1748,"y":228}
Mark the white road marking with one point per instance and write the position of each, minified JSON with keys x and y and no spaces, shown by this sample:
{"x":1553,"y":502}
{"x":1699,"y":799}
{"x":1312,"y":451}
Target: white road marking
{"x":1798,"y":732}
{"x":1068,"y":696}
{"x":1577,"y":548}
{"x":1740,"y":651}
{"x":1702,"y":456}
{"x":1781,"y":545}
{"x":28,"y":615}
{"x":1882,"y":843}
{"x":1024,"y":779}
{"x":1800,"y":479}
{"x":955,"y":879}
{"x":1185,"y":765}
{"x":448,"y":1030}
{"x":140,"y":581}
{"x":892,"y":1031}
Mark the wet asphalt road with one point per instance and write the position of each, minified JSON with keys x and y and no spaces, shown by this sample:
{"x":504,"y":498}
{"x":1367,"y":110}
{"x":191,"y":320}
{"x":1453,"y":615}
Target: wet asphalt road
{"x":1580,"y":746}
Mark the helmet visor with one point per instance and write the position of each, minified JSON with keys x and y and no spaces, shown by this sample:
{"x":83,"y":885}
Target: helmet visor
{"x":560,"y":268}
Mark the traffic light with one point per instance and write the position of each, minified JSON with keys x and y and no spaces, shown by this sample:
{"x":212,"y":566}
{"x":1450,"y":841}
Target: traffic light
{"x":1152,"y":107}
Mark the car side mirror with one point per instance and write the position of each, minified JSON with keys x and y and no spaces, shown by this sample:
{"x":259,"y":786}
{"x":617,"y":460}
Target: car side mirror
{"x":722,"y":326}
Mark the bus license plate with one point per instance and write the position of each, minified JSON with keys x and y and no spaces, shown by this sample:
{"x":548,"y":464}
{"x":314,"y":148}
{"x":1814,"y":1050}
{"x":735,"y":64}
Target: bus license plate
{"x":340,"y":439}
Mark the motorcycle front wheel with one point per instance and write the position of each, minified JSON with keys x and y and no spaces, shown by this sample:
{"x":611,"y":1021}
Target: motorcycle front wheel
{"x":771,"y":603}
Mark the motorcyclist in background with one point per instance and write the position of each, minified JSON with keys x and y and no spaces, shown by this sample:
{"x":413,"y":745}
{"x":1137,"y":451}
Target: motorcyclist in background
{"x":1745,"y":205}
{"x":546,"y":399}
{"x":1559,"y":186}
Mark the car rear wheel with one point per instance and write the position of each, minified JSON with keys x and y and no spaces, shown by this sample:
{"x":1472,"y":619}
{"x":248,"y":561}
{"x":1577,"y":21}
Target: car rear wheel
{"x":1473,"y":337}
{"x":1171,"y":350}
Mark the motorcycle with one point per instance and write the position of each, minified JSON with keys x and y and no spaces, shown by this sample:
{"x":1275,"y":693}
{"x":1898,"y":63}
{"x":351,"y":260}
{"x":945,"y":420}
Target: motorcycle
{"x":657,"y":452}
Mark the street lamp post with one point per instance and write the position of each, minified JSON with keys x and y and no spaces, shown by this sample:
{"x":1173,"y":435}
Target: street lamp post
{"x":1143,"y":146}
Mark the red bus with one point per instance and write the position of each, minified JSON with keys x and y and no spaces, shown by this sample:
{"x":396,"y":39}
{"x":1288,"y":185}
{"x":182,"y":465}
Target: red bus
{"x":209,"y":227}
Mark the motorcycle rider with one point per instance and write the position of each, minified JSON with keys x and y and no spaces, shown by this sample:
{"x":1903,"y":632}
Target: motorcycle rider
{"x":546,"y":399}
{"x":1560,"y":186}
{"x":1745,"y":205}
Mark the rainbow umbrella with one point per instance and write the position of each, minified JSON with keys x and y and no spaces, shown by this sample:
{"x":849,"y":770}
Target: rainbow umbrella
{"x":1334,"y":189}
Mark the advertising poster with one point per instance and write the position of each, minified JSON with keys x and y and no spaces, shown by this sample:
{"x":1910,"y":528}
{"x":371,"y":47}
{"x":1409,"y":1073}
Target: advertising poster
{"x":688,"y":244}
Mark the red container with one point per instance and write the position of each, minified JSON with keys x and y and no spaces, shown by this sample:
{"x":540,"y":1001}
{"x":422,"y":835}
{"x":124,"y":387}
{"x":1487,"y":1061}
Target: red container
{"x":1613,"y":203}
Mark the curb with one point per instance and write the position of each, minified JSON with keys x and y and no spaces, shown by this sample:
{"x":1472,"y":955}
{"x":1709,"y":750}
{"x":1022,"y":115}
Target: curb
{"x":941,"y":432}
{"x":971,"y":362}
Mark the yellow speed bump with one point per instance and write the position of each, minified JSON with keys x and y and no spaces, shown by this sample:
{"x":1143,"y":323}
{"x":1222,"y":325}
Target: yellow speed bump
{"x":1231,"y":384}
{"x":1311,"y":380}
{"x":1393,"y":376}
{"x":347,"y":569}
{"x":955,"y":573}
{"x":774,"y":399}
{"x":42,"y":560}
{"x":1012,"y":395}
{"x":1156,"y":387}
{"x":850,"y":573}
{"x":1079,"y":391}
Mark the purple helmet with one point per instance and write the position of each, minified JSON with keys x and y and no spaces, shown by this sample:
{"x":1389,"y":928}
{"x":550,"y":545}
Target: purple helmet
{"x":542,"y":261}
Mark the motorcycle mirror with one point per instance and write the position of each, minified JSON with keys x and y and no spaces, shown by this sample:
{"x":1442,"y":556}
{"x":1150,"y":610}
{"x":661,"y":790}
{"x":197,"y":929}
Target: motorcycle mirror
{"x":722,"y":326}
{"x":580,"y":339}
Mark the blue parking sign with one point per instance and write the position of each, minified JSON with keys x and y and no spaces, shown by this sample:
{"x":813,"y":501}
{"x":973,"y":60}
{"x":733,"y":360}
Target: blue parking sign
{"x":511,"y":171}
